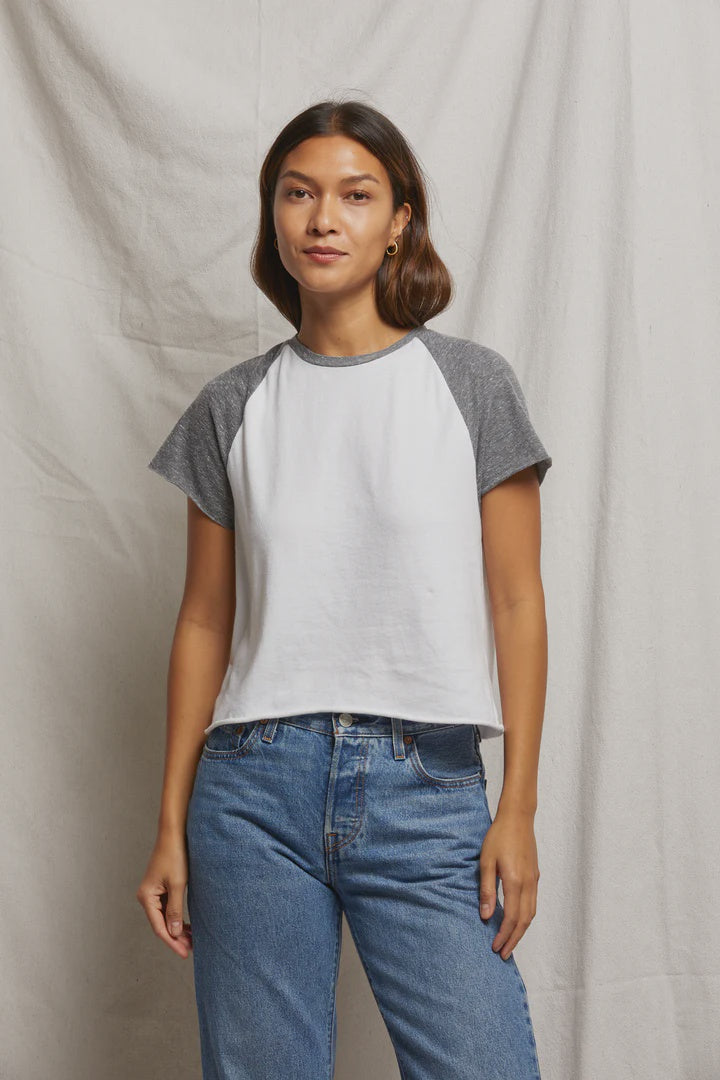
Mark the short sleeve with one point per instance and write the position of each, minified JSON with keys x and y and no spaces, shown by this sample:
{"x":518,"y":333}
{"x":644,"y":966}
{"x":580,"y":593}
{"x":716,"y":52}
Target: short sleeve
{"x":192,"y":458}
{"x":508,"y":441}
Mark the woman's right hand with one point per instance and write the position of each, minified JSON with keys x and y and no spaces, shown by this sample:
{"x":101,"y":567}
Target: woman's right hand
{"x":162,"y":890}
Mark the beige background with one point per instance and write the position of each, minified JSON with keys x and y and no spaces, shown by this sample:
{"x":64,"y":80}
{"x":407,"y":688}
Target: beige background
{"x":573,"y":155}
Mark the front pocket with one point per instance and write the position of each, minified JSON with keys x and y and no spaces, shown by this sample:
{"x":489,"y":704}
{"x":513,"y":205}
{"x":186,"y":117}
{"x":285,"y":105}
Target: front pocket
{"x":230,"y":740}
{"x":448,"y":757}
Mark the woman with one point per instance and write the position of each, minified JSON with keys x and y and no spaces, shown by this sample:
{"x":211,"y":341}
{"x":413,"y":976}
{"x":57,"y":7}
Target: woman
{"x":363,"y":532}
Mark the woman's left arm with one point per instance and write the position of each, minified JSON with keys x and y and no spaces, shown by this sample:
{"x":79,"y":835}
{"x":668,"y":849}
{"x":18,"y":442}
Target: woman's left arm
{"x":511,"y":545}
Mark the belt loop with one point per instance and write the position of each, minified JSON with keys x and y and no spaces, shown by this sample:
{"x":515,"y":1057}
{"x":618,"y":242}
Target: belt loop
{"x":269,"y":728}
{"x":397,"y":738}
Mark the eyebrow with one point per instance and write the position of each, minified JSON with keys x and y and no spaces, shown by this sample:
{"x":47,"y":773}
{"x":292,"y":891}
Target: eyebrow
{"x":346,"y":179}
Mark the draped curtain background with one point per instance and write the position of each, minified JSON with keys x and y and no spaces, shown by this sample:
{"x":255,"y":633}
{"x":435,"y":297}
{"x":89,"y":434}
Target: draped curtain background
{"x":572,"y":150}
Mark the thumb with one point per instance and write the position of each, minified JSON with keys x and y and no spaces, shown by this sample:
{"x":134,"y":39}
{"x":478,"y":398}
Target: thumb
{"x":174,"y":910}
{"x":488,"y":890}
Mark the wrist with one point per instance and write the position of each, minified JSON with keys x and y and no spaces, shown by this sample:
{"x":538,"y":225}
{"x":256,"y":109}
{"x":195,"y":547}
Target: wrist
{"x":171,"y":829}
{"x":517,"y":806}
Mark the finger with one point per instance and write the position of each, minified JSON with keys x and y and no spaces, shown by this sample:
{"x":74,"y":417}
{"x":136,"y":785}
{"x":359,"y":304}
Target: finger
{"x":181,"y":944}
{"x":536,"y":886}
{"x":174,"y":913}
{"x":524,"y":919}
{"x":153,"y":909}
{"x":512,"y":941}
{"x":506,"y":930}
{"x":488,"y":889}
{"x":174,"y":908}
{"x":511,"y":905}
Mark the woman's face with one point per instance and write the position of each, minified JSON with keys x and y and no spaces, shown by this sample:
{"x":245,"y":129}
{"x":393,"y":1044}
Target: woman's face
{"x":332,"y":192}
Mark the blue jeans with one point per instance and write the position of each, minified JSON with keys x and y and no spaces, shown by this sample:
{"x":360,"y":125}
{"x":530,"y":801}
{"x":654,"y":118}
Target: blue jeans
{"x":295,"y":820}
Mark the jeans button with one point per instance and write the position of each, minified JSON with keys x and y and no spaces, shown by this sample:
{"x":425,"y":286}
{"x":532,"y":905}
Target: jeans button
{"x":345,"y":719}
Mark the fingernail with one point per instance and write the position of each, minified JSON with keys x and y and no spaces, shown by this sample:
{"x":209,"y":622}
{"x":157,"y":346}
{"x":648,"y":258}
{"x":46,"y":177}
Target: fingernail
{"x":175,"y":928}
{"x":485,"y":909}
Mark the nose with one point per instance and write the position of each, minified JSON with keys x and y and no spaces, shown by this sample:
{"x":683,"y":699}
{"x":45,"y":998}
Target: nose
{"x":322,"y":217}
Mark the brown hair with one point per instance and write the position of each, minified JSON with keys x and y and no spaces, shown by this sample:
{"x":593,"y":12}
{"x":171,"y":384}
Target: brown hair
{"x":412,"y":286}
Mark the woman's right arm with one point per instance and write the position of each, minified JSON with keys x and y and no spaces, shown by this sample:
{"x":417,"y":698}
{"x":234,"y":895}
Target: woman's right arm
{"x":198,"y":662}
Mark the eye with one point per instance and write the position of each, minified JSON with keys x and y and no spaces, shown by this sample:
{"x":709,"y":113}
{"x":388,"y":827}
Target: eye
{"x":302,"y":191}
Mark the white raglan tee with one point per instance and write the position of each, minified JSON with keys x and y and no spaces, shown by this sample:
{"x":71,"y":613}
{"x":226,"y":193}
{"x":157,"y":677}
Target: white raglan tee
{"x":353,"y":485}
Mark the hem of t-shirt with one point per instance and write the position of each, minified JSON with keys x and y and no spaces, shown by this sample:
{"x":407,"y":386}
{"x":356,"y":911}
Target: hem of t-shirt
{"x":187,"y":489}
{"x":487,"y":730}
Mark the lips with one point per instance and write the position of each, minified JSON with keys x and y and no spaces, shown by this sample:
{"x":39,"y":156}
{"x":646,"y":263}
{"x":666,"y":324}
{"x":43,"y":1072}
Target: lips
{"x":322,"y":251}
{"x":323,"y":256}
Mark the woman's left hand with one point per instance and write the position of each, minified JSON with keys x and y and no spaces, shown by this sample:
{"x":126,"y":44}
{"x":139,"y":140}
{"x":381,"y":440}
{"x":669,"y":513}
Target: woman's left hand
{"x":509,"y":852}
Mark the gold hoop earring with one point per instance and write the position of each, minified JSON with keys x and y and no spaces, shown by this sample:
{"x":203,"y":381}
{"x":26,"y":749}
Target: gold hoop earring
{"x":389,"y":252}
{"x":276,"y":244}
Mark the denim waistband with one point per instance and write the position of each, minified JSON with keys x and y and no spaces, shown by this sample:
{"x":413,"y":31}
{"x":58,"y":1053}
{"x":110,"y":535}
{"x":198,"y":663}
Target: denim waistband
{"x":354,"y":723}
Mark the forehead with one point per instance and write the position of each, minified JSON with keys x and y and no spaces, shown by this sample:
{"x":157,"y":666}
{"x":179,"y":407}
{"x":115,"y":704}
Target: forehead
{"x":332,"y":159}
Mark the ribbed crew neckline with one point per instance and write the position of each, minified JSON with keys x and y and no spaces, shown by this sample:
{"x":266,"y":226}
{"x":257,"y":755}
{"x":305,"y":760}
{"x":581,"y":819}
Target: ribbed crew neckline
{"x":344,"y":361}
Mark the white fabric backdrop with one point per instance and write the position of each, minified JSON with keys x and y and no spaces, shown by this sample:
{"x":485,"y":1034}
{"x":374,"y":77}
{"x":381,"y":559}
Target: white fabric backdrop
{"x":573,"y":150}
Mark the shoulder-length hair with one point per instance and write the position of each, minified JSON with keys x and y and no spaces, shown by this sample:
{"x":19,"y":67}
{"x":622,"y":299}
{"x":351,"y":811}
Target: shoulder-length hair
{"x":412,"y":286}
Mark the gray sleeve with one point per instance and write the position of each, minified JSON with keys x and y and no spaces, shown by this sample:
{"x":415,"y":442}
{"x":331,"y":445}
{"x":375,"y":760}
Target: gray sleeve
{"x":192,"y":458}
{"x":508,"y":441}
